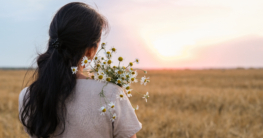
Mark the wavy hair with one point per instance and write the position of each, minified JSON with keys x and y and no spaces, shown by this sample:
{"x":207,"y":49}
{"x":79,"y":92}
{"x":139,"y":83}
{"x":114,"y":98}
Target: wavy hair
{"x":78,"y":27}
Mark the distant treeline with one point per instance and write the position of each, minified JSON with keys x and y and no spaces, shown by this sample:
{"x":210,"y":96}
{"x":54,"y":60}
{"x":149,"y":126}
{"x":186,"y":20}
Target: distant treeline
{"x":20,"y":68}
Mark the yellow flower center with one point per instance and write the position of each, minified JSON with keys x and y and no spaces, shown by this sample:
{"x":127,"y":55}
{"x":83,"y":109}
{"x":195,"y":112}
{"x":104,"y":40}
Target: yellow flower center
{"x":85,"y":61}
{"x":104,"y":62}
{"x":145,"y":80}
{"x":113,"y":49}
{"x":123,"y":67}
{"x":114,"y":67}
{"x":100,"y":77}
{"x":120,"y":59}
{"x":119,"y":81}
{"x":130,"y":63}
{"x":113,"y":117}
{"x":98,"y":65}
{"x":104,"y":110}
{"x":119,"y":72}
{"x":108,"y":79}
{"x":137,"y":60}
{"x":133,"y":73}
{"x":121,"y":95}
{"x":127,"y":76}
{"x":73,"y":69}
{"x":92,"y":76}
{"x":96,"y":58}
{"x":122,"y":78}
{"x":112,"y":106}
{"x":132,"y":79}
{"x":129,"y":92}
{"x":108,"y":52}
{"x":109,"y":61}
{"x":128,"y":87}
{"x":131,"y":68}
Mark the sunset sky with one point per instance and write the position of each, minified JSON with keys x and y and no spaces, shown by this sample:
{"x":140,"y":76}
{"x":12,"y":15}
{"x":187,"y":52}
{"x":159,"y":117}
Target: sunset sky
{"x":161,"y":33}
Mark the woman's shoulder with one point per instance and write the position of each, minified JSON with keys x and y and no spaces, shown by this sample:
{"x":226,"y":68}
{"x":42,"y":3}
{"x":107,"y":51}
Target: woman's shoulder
{"x":21,"y":96}
{"x":93,"y":84}
{"x":22,"y":93}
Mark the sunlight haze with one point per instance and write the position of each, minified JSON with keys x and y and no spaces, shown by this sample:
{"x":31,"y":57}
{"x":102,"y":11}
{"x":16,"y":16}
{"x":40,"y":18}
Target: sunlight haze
{"x":161,"y":33}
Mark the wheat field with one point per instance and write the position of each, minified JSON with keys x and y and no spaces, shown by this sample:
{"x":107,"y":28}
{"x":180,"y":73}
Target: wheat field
{"x":213,"y":103}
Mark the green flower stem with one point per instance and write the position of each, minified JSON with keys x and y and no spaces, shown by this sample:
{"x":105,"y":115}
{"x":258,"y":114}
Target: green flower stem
{"x":92,"y":67}
{"x":102,"y":93}
{"x":98,"y":52}
{"x":140,"y":69}
{"x":139,"y":93}
{"x":127,"y":67}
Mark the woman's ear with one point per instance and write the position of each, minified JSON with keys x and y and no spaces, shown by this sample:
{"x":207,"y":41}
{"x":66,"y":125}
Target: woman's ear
{"x":90,"y":52}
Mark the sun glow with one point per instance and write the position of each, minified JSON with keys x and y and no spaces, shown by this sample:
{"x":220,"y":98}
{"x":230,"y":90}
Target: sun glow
{"x":170,"y":46}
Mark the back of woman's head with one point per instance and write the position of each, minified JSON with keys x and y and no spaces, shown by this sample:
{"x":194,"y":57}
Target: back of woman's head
{"x":74,"y":29}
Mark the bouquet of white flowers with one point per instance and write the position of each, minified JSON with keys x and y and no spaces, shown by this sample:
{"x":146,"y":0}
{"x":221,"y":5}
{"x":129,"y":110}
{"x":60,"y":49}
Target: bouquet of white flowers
{"x":103,"y":71}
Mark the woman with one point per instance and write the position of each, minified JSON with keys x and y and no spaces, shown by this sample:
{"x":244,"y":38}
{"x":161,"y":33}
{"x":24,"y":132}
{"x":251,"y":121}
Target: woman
{"x":60,"y":104}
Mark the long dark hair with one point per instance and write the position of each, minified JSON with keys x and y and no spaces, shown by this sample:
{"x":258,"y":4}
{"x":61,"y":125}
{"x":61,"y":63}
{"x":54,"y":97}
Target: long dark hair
{"x":77,"y":27}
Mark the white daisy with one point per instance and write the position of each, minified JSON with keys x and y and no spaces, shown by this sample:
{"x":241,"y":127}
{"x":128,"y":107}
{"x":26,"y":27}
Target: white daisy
{"x":134,"y":73}
{"x":129,"y":93}
{"x":108,"y":79}
{"x":113,"y":49}
{"x":111,"y":105}
{"x":85,"y":61}
{"x":109,"y":62}
{"x":137,"y":60}
{"x":119,"y":81}
{"x":74,"y":70}
{"x":107,"y":53}
{"x":130,"y":69}
{"x":120,"y":96}
{"x":127,"y":75}
{"x":118,"y":71}
{"x":96,"y":58}
{"x":133,"y":80}
{"x":102,"y":110}
{"x":104,"y":63}
{"x":114,"y":116}
{"x":130,"y":64}
{"x":126,"y":87}
{"x":123,"y":77}
{"x":103,"y":45}
{"x":137,"y":108}
{"x":145,"y":80}
{"x":146,"y":96}
{"x":101,"y":72}
{"x":100,"y":77}
{"x":98,"y":65}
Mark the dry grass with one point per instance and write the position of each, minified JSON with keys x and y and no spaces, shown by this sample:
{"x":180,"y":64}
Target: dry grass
{"x":182,"y":104}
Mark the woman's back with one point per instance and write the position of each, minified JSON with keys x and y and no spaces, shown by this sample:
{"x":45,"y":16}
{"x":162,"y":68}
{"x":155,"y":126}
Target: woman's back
{"x":83,"y":117}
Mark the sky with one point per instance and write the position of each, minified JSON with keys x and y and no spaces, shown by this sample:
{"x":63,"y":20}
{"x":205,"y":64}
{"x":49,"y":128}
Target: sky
{"x":163,"y":34}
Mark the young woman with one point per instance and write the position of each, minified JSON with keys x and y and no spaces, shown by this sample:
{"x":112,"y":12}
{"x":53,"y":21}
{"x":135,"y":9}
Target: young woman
{"x":60,"y":104}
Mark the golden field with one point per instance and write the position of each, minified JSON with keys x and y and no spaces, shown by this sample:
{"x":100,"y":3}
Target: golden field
{"x":183,"y":104}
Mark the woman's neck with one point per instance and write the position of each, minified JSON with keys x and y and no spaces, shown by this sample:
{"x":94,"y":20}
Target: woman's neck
{"x":79,"y":74}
